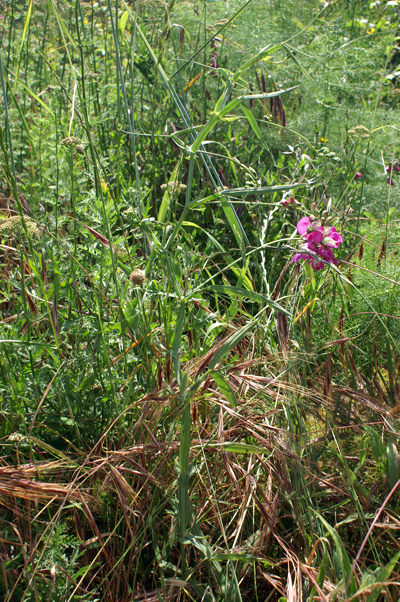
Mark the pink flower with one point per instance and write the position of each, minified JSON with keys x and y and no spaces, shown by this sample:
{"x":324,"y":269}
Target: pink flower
{"x":311,"y":230}
{"x":316,"y":235}
{"x":299,"y":256}
{"x":302,"y":225}
{"x":326,"y":254}
{"x":390,"y":181}
{"x":320,"y":241}
{"x":358,"y":175}
{"x":316,"y":265}
{"x":332,"y":238}
{"x":311,"y":258}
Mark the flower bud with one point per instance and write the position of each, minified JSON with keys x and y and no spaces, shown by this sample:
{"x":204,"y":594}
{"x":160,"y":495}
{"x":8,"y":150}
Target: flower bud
{"x":137,"y":277}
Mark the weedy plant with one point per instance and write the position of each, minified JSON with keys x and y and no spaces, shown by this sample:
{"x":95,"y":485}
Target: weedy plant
{"x":199,"y":375}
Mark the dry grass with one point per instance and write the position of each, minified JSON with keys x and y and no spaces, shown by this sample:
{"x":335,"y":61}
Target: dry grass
{"x":253,"y":487}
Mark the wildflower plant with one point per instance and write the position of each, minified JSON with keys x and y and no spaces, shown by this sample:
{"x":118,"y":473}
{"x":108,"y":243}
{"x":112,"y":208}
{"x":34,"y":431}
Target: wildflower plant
{"x":14,"y":225}
{"x":160,"y":422}
{"x":321,"y":240}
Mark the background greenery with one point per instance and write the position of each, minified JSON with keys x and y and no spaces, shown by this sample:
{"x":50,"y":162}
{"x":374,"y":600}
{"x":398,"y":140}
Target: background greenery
{"x":185,"y":413}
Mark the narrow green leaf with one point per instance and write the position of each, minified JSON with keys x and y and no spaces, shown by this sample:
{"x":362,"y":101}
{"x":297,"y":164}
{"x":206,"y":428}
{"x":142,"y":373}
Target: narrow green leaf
{"x":23,"y":121}
{"x":37,"y":98}
{"x":123,"y":20}
{"x":166,"y":200}
{"x":224,"y":387}
{"x":382,"y":576}
{"x":242,"y":292}
{"x":254,"y":126}
{"x":231,"y":342}
{"x":260,"y":190}
{"x":234,"y":223}
{"x":345,"y":564}
{"x":176,"y":343}
{"x":243,"y":556}
{"x":393,"y":461}
{"x":221,"y":112}
{"x":264,"y":52}
{"x":242,"y":448}
{"x":27,"y":343}
{"x":23,"y":38}
{"x":172,"y":270}
{"x":294,"y":59}
{"x":206,"y":129}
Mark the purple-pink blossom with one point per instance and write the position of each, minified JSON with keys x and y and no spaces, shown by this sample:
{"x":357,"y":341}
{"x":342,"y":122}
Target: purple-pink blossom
{"x":320,"y":240}
{"x":390,"y":169}
{"x":358,"y":175}
{"x":311,"y":230}
{"x":288,"y":201}
{"x":332,"y":238}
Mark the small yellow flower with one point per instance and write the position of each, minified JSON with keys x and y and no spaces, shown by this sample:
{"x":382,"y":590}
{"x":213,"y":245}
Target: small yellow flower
{"x":323,"y":140}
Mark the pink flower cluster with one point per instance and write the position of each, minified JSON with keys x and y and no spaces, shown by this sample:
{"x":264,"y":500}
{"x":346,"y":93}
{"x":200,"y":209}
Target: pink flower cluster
{"x":320,"y":240}
{"x":390,"y":169}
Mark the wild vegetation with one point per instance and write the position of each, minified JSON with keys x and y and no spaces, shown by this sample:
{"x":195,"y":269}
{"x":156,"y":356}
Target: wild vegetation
{"x":199,"y":373}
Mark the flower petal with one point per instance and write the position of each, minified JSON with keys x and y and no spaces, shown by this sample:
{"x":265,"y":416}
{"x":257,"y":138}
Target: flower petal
{"x":303,"y":225}
{"x":315,"y":236}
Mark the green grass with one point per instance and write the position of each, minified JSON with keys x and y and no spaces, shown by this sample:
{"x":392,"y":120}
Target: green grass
{"x":222,"y":424}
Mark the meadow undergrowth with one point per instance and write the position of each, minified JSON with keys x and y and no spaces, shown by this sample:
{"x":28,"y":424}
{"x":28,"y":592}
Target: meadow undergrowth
{"x":199,"y":330}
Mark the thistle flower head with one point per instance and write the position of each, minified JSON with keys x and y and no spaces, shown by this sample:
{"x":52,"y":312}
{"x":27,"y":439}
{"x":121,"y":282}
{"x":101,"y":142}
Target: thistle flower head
{"x":137,"y":277}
